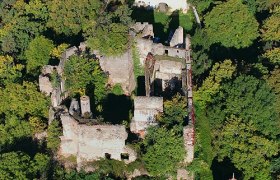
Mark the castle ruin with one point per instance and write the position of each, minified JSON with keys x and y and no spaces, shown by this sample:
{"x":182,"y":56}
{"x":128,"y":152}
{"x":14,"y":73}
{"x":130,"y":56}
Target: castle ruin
{"x":87,"y":139}
{"x":171,"y":4}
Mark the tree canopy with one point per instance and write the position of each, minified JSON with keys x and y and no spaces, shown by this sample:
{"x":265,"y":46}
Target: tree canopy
{"x":9,"y":71}
{"x":248,"y":150}
{"x":18,"y":165}
{"x":32,"y":102}
{"x":81,"y":72}
{"x":38,"y":53}
{"x":164,"y":150}
{"x":247,"y":98}
{"x":231,"y":24}
{"x":70,"y":17}
{"x":110,"y":34}
{"x":271,"y":27}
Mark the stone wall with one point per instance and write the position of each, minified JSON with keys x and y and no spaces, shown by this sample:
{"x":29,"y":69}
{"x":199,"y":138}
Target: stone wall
{"x":178,"y":37}
{"x":120,"y":69}
{"x":172,"y":4}
{"x":189,"y":143}
{"x":145,"y":46}
{"x":145,"y":111}
{"x":90,"y":143}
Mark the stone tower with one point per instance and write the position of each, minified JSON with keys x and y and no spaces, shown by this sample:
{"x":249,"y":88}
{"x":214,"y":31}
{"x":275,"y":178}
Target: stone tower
{"x":85,"y":106}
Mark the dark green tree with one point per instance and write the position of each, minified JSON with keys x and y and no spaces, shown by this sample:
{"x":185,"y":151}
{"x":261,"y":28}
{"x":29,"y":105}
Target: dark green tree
{"x":69,"y":17}
{"x":175,"y":111}
{"x":246,"y":147}
{"x":18,"y":165}
{"x":19,"y":25}
{"x":163,"y":151}
{"x":81,"y":72}
{"x":249,"y":99}
{"x":13,"y":129}
{"x":110,"y":34}
{"x":232,"y":25}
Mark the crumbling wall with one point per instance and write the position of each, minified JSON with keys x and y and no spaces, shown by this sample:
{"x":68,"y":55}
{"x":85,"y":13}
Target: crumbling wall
{"x":178,"y":37}
{"x":120,"y":69}
{"x":188,"y":135}
{"x":145,"y":111}
{"x":172,"y":4}
{"x":90,"y":143}
{"x":146,"y":46}
{"x":45,"y":84}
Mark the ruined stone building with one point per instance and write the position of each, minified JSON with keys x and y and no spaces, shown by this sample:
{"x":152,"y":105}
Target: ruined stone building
{"x":145,"y":111}
{"x":88,"y":142}
{"x":88,"y":139}
{"x":171,"y":4}
{"x":120,"y":70}
{"x":92,"y":142}
{"x":164,"y":65}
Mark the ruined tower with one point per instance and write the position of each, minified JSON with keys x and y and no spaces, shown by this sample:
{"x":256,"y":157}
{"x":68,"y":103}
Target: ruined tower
{"x":85,"y":106}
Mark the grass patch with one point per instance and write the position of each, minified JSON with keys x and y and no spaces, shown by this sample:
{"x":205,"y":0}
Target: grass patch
{"x":138,"y":68}
{"x":169,"y":58}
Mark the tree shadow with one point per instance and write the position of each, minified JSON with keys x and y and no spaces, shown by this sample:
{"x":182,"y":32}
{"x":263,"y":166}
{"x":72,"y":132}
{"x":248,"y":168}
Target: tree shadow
{"x":140,"y":91}
{"x":117,"y":109}
{"x":249,"y":54}
{"x":62,"y":38}
{"x":224,"y":170}
{"x":26,"y":145}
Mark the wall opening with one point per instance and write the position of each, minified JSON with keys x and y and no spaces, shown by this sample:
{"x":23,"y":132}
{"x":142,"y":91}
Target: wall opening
{"x":107,"y":156}
{"x":166,"y":52}
{"x":124,"y":156}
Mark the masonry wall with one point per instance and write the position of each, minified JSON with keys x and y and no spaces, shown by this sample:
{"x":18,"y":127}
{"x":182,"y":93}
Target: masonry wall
{"x":145,"y":110}
{"x":174,"y":5}
{"x":120,"y":69}
{"x":90,"y":143}
{"x":145,"y":46}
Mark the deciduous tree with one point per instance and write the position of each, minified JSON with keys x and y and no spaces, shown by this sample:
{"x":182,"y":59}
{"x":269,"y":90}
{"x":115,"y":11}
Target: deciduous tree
{"x":69,"y":17}
{"x":175,"y":111}
{"x":232,"y":25}
{"x":9,"y":71}
{"x":18,"y":165}
{"x":247,"y":98}
{"x":211,"y":85}
{"x":248,"y":150}
{"x":81,"y":72}
{"x":38,"y":53}
{"x":22,"y":100}
{"x":110,"y":35}
{"x":271,"y":27}
{"x":54,"y":132}
{"x":13,"y":129}
{"x":164,"y":150}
